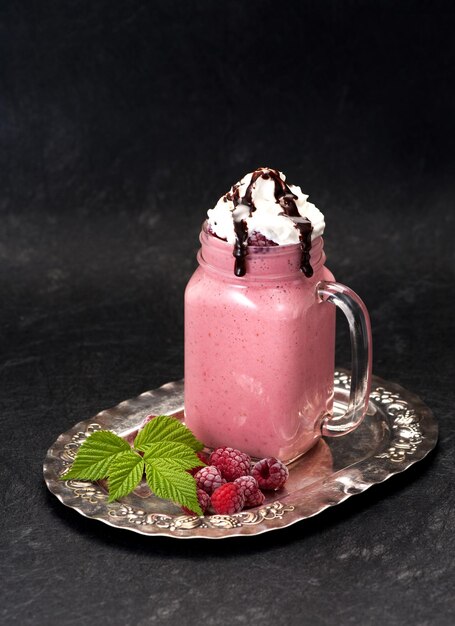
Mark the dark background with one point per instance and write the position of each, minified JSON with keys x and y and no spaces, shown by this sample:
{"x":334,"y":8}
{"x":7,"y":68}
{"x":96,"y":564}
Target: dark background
{"x":121,"y":123}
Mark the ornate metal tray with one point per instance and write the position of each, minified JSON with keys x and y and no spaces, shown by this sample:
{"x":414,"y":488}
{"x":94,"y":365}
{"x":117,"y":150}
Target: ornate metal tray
{"x":398,"y":430}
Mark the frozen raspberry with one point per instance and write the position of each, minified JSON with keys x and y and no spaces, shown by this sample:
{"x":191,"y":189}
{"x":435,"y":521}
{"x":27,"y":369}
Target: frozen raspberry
{"x":258,"y":239}
{"x":227,"y":499}
{"x":253,"y":495}
{"x":208,"y":479}
{"x":255,"y":500}
{"x":231,"y":463}
{"x":204,"y":501}
{"x":270,"y":473}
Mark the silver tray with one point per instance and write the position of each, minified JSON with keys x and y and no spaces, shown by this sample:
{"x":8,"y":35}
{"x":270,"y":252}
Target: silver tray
{"x":397,"y":431}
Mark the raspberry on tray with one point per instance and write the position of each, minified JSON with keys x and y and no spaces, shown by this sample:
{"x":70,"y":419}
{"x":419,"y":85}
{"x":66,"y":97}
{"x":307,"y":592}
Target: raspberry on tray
{"x":253,"y":495}
{"x":270,"y":473}
{"x":228,"y":499}
{"x":231,"y":463}
{"x":208,"y":479}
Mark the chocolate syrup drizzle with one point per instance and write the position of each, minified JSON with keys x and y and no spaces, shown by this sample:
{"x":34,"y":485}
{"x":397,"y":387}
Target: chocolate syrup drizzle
{"x":240,"y":247}
{"x":240,"y":225}
{"x":286,"y":199}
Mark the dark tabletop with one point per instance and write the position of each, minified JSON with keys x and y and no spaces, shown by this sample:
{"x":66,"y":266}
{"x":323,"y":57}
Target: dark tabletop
{"x":121,"y":124}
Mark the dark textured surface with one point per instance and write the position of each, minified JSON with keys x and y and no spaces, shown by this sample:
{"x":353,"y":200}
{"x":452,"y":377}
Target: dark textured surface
{"x":120,"y":124}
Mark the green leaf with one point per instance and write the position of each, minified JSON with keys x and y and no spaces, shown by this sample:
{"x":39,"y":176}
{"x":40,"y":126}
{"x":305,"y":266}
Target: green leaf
{"x":172,"y":453}
{"x":125,"y":473}
{"x":172,"y":483}
{"x":95,"y":456}
{"x":169,"y":450}
{"x":165,"y":428}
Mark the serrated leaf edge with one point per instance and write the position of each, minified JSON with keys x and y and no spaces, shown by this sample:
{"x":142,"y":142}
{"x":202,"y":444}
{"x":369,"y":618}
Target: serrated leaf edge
{"x":181,"y":431}
{"x":93,"y":444}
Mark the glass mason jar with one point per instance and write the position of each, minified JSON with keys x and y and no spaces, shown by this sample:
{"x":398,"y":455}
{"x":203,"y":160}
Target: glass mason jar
{"x":260,"y":350}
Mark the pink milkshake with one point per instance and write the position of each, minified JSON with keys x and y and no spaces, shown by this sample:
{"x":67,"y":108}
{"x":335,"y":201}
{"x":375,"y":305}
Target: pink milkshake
{"x":259,"y":333}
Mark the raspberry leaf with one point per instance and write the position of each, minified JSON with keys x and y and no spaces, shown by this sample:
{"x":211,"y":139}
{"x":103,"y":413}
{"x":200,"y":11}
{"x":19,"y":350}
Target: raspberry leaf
{"x":171,"y":482}
{"x":125,"y":473}
{"x":95,"y":456}
{"x":169,"y":451}
{"x":165,"y":428}
{"x":177,"y":454}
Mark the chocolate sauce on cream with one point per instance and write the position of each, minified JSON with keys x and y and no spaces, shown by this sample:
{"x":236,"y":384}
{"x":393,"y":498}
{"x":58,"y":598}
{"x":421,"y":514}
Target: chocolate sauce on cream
{"x":240,"y":247}
{"x":286,"y":199}
{"x":240,"y":225}
{"x":248,"y":197}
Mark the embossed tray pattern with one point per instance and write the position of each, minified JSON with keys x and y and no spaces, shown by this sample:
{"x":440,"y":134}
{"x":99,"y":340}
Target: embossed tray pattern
{"x":398,"y":430}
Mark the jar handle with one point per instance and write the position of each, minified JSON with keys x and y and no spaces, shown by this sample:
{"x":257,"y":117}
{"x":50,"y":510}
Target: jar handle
{"x":361,"y":357}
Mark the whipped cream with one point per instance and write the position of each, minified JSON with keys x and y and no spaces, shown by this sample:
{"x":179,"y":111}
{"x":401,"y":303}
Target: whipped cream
{"x":260,"y":200}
